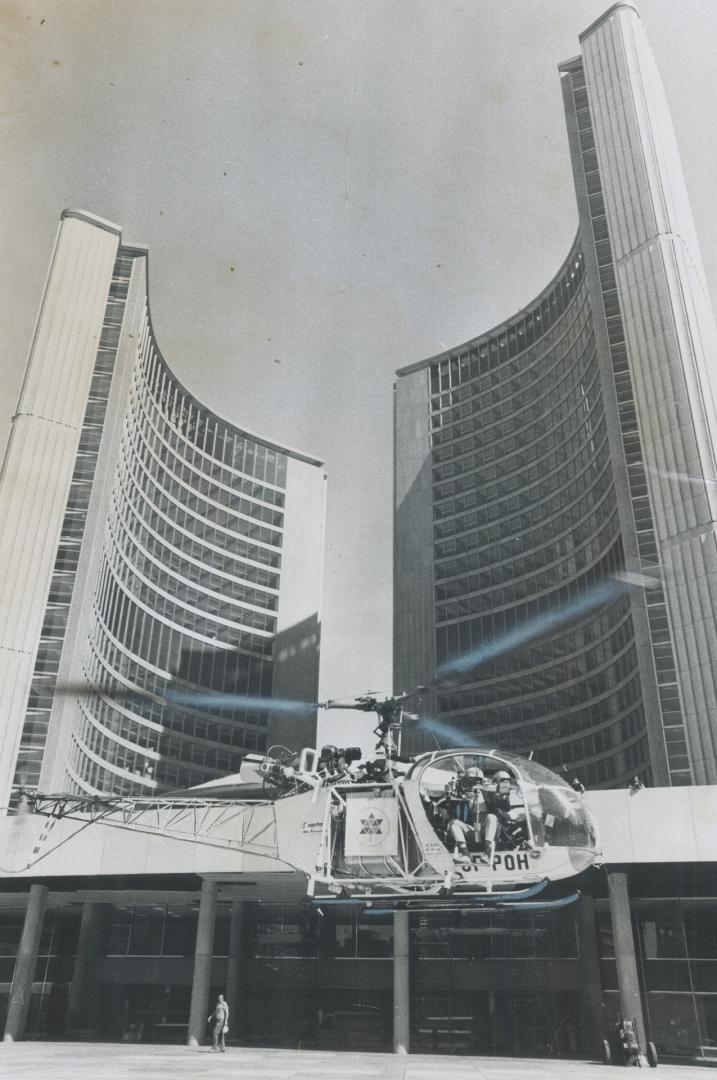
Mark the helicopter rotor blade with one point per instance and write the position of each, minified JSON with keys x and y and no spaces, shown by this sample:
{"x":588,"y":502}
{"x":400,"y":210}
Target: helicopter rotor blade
{"x":188,"y":697}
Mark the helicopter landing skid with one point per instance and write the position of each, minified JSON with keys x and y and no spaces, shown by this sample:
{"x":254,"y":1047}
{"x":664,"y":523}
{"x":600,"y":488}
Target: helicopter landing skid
{"x":443,"y":899}
{"x":487,"y":903}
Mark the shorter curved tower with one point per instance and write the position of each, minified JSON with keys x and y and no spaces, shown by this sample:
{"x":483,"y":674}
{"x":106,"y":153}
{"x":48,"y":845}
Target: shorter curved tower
{"x":185,"y":558}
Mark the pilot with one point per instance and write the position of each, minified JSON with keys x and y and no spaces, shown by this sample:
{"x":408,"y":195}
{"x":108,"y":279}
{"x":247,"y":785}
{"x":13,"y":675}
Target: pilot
{"x":505,"y":818}
{"x":465,"y":806}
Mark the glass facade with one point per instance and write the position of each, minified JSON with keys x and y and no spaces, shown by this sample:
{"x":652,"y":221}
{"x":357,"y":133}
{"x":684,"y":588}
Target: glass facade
{"x":676,"y":942}
{"x":481,"y":982}
{"x":186,"y":595}
{"x":495,"y":983}
{"x":525,"y":533}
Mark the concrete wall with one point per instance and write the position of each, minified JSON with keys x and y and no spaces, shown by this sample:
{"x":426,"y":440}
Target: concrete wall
{"x":40,"y":457}
{"x":656,"y":825}
{"x":653,"y":825}
{"x":414,"y":641}
{"x":71,"y":673}
{"x":671,"y":340}
{"x":298,"y":630}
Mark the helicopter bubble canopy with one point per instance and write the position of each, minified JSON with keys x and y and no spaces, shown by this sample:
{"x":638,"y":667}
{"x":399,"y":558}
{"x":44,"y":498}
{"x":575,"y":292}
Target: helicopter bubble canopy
{"x":550,"y":812}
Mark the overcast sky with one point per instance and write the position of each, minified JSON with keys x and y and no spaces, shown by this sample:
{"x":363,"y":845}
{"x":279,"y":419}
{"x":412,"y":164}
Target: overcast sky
{"x":329,"y":191}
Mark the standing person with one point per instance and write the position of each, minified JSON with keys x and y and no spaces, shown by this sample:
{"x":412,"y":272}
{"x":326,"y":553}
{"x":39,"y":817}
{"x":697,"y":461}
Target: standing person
{"x":220,"y":1020}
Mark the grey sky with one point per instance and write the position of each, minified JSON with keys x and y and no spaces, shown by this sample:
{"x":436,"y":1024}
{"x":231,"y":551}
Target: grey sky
{"x":329,"y":191}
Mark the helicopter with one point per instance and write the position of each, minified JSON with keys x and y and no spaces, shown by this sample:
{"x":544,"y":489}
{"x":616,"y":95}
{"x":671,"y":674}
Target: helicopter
{"x":444,"y":828}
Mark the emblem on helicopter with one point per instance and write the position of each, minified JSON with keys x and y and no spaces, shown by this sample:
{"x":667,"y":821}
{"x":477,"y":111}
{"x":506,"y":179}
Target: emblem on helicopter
{"x":371,"y":825}
{"x":371,"y":829}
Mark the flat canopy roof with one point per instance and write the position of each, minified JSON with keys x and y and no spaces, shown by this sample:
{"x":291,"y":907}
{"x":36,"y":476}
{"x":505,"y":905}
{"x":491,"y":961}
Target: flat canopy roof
{"x":651,"y":825}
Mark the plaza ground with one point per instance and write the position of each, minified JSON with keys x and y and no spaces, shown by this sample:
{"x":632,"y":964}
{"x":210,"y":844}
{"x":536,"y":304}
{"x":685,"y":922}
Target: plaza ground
{"x":111,"y":1061}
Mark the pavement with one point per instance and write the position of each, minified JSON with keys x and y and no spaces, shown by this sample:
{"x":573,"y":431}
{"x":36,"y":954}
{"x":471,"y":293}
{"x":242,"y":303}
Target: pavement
{"x":118,"y":1061}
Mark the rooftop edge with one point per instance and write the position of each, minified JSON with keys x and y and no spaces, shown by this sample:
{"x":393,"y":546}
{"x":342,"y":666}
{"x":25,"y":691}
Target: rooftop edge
{"x":608,"y":14}
{"x":92,"y":219}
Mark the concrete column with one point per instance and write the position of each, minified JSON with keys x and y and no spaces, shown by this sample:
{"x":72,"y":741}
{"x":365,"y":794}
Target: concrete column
{"x":401,"y":984}
{"x":590,"y":1004}
{"x":23,"y":976}
{"x":203,"y":951}
{"x":80,"y":1010}
{"x":233,"y":981}
{"x":628,"y":982}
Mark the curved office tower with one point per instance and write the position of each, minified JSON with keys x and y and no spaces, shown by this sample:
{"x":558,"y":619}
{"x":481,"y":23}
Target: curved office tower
{"x":555,"y":552}
{"x":156,"y":548}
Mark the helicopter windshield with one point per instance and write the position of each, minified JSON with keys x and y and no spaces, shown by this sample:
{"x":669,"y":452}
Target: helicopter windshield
{"x":558,"y":816}
{"x":478,"y":803}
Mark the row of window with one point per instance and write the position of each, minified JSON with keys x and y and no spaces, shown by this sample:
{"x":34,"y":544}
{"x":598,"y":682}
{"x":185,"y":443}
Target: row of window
{"x":569,"y":603}
{"x":512,"y":545}
{"x":530,"y":487}
{"x":516,"y":564}
{"x":90,"y":777}
{"x":466,"y":491}
{"x":189,"y":556}
{"x":536,"y":374}
{"x":181,"y":479}
{"x":539,"y":581}
{"x":167,"y":646}
{"x":181,"y":604}
{"x":197,"y":516}
{"x":187,"y":532}
{"x":535,"y":401}
{"x":196,"y":426}
{"x":224,"y":671}
{"x":511,"y":340}
{"x":90,"y":740}
{"x":520,"y":573}
{"x":219,"y":760}
{"x":558,"y":511}
{"x":502,"y":432}
{"x":545,"y":475}
{"x":541,"y":667}
{"x":544,"y":350}
{"x":197,"y":582}
{"x":142,"y":720}
{"x":195,"y":469}
{"x":568,"y":749}
{"x":549,"y":356}
{"x":554,"y":691}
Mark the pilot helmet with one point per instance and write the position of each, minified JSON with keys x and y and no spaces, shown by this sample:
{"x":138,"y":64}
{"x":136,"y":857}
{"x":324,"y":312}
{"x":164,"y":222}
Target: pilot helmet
{"x":501,"y":777}
{"x":475,"y":774}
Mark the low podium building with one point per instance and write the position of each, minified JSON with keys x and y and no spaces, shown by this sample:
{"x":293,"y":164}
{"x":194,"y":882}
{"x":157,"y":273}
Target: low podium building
{"x":101,"y":937}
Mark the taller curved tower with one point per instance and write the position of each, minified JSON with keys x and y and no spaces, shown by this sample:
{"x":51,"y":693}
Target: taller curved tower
{"x":147,"y":545}
{"x":555,"y":551}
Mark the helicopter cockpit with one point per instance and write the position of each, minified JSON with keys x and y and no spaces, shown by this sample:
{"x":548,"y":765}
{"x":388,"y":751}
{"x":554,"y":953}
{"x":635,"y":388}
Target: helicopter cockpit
{"x":482,"y":805}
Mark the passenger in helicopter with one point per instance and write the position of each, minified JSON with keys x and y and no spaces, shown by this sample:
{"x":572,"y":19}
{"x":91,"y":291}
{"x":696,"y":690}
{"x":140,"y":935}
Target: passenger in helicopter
{"x":463,"y":809}
{"x":505,"y":823}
